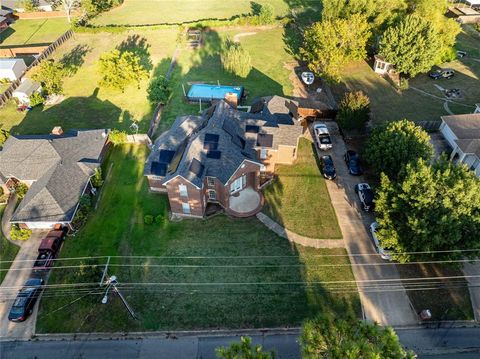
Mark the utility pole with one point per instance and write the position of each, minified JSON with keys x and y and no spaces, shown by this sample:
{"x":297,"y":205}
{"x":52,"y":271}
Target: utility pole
{"x":112,"y":284}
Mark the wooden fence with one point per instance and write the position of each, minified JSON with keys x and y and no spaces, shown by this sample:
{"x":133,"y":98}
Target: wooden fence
{"x":8,"y":92}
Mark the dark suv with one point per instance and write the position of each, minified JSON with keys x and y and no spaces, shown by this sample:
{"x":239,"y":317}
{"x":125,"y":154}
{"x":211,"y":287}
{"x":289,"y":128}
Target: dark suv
{"x":352,"y":159}
{"x":25,"y":301}
{"x":365,"y":194}
{"x":328,"y":169}
{"x":442,"y":74}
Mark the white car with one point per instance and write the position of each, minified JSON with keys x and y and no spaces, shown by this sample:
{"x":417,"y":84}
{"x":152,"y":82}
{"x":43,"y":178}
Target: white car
{"x":383,"y":253}
{"x":322,"y":136}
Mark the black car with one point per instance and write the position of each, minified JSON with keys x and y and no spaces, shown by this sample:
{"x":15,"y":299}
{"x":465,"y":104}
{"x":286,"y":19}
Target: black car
{"x":365,"y":194}
{"x":328,"y":168}
{"x":25,"y":301}
{"x":442,"y":74}
{"x":352,"y":159}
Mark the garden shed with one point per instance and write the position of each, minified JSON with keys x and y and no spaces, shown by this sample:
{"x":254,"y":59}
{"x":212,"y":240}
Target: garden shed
{"x":26,"y":89}
{"x":12,"y":69}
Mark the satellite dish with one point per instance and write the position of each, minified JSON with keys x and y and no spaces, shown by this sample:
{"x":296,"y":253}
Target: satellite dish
{"x":308,"y":77}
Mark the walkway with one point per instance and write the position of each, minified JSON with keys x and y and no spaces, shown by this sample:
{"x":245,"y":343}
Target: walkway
{"x":7,"y":215}
{"x":296,"y":238}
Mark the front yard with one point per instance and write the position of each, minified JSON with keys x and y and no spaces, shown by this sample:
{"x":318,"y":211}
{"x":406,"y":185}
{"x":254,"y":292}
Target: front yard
{"x":34,"y":32}
{"x":8,"y":251}
{"x":191,"y":266}
{"x":299,"y":199}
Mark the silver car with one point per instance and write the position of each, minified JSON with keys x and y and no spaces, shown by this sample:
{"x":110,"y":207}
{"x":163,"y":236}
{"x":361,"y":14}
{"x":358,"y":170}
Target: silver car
{"x":383,"y":253}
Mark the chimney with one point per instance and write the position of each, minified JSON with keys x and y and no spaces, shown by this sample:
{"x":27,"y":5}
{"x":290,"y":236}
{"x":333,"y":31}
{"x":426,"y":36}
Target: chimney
{"x":232,"y":99}
{"x":57,"y":130}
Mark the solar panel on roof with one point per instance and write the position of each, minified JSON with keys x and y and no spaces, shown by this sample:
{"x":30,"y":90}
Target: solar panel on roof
{"x":252,"y":129}
{"x":211,"y":141}
{"x":166,"y":156}
{"x":264,"y":140}
{"x":211,"y":137}
{"x":196,"y":167}
{"x":240,"y":142}
{"x":214,"y":154}
{"x":159,"y":169}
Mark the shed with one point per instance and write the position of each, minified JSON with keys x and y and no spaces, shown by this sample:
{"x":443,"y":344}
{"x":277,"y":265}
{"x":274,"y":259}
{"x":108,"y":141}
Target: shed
{"x":381,"y":66}
{"x":26,"y":89}
{"x":12,"y":69}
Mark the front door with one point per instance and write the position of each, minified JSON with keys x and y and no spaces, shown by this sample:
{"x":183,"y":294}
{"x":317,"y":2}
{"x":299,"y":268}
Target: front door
{"x":238,"y":184}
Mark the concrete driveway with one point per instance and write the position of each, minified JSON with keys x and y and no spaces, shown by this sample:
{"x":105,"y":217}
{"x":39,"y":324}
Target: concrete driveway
{"x":393,"y":307}
{"x":19,"y":272}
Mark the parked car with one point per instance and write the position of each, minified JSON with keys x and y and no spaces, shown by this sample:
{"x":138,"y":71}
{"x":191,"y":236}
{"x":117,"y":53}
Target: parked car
{"x":442,"y":74}
{"x":322,"y":136}
{"x":25,"y":301}
{"x":384,"y":254}
{"x":352,"y":159}
{"x":365,"y":194}
{"x":328,"y":168}
{"x":48,"y":250}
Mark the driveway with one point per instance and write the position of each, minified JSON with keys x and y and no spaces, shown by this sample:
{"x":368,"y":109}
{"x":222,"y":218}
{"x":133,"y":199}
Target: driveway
{"x":19,"y":272}
{"x":392,"y":307}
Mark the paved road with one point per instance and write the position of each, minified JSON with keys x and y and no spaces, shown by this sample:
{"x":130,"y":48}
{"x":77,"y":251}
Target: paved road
{"x":15,"y":278}
{"x":427,"y":343}
{"x":392,"y":308}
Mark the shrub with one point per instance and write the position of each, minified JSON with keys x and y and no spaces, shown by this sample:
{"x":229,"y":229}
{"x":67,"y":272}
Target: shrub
{"x":50,"y":74}
{"x":117,"y":137}
{"x":97,"y":178}
{"x":85,"y":206}
{"x":29,"y":5}
{"x":159,"y":219}
{"x":21,"y":189}
{"x":265,"y":15}
{"x":20,"y":234}
{"x":354,"y":111}
{"x":159,"y":91}
{"x":235,"y":59}
{"x":148,"y":219}
{"x":403,"y":85}
{"x":3,"y":136}
{"x":36,"y":99}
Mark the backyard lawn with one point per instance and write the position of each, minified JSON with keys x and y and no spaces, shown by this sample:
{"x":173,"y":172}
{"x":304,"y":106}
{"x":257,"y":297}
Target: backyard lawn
{"x":299,"y":198}
{"x":191,"y":267}
{"x":86,"y":105}
{"x":8,"y":251}
{"x":134,"y":12}
{"x":37,"y":31}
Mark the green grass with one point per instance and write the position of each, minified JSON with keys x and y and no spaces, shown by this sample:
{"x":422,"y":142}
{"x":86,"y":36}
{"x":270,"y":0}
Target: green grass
{"x":134,"y":12}
{"x":8,"y":251}
{"x":33,"y":32}
{"x":86,"y":105}
{"x":117,"y":228}
{"x":299,"y":198}
{"x":269,"y":74}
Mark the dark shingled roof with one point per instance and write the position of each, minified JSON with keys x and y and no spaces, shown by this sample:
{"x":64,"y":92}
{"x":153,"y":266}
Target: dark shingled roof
{"x":467,"y":129}
{"x":60,"y":167}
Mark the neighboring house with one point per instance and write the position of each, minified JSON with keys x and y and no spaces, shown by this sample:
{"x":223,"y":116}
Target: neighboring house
{"x":26,"y":89}
{"x":8,"y":14}
{"x":57,"y":169}
{"x":3,"y":23}
{"x":18,"y":5}
{"x":221,"y":157}
{"x":462,"y":132}
{"x":12,"y":69}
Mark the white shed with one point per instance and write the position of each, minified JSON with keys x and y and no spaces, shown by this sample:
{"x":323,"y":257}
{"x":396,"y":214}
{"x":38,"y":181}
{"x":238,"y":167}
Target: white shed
{"x":12,"y":69}
{"x":26,"y":89}
{"x":381,"y":66}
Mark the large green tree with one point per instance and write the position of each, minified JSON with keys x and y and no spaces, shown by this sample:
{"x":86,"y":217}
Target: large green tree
{"x":335,"y":338}
{"x":432,"y":208}
{"x":391,"y":147}
{"x":331,"y":43}
{"x":121,"y":69}
{"x":236,"y":59}
{"x":354,"y":111}
{"x":50,"y":74}
{"x":411,"y":45}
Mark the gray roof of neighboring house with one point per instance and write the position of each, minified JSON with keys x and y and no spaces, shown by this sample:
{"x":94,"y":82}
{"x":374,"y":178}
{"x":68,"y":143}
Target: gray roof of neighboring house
{"x":467,"y":129}
{"x":5,"y":12}
{"x":18,"y":4}
{"x":60,"y":167}
{"x":234,"y":143}
{"x":469,"y":146}
{"x":28,"y":87}
{"x":8,"y":64}
{"x":3,"y":18}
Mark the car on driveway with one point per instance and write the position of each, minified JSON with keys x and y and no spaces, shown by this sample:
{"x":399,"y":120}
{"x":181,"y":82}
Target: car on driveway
{"x":442,"y":74}
{"x":384,"y":254}
{"x":328,"y":168}
{"x":322,"y":136}
{"x":48,"y":250}
{"x":365,"y":194}
{"x":352,"y":159}
{"x":25,"y":301}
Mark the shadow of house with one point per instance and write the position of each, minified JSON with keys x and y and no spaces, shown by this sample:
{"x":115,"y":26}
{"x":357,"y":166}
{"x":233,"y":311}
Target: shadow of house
{"x":72,"y":113}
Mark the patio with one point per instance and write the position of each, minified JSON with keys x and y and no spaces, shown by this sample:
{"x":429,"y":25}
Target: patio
{"x":246,"y":202}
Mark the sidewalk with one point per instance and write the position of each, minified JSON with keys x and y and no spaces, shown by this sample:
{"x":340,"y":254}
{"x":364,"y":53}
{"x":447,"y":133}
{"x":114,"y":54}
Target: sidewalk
{"x":473,"y":269}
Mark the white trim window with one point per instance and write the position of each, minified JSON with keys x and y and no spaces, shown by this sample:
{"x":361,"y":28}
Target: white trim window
{"x":183,"y":190}
{"x":238,"y":184}
{"x":263,"y":153}
{"x":210,"y":182}
{"x":186,"y":208}
{"x":212,"y":195}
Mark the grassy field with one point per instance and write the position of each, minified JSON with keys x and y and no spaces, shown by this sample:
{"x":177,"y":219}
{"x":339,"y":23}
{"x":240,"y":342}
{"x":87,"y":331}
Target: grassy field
{"x":134,"y":12}
{"x":299,"y":198}
{"x":226,"y":251}
{"x":37,"y":31}
{"x":86,"y":105}
{"x":8,"y":251}
{"x":269,"y":75}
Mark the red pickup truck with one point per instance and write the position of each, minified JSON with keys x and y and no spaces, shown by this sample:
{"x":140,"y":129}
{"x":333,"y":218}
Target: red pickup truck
{"x":49,"y":249}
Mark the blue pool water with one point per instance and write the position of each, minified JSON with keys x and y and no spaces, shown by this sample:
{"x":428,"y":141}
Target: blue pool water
{"x":207,"y":92}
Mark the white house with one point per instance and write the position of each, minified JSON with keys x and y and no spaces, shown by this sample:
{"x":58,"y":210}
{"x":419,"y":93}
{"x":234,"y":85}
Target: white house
{"x":18,"y":5}
{"x":25,"y":90}
{"x":12,"y":69}
{"x":462,"y":132}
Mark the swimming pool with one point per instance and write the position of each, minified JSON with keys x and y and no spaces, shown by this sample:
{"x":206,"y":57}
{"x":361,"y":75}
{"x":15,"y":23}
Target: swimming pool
{"x":207,"y":92}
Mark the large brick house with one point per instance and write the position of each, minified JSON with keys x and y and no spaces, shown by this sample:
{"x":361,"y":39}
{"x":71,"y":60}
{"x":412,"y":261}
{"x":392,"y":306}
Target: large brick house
{"x":221,"y":156}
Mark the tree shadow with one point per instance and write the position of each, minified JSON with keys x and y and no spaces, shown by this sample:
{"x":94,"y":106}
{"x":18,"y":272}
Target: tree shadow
{"x":255,"y":8}
{"x":139,"y":46}
{"x":73,"y":60}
